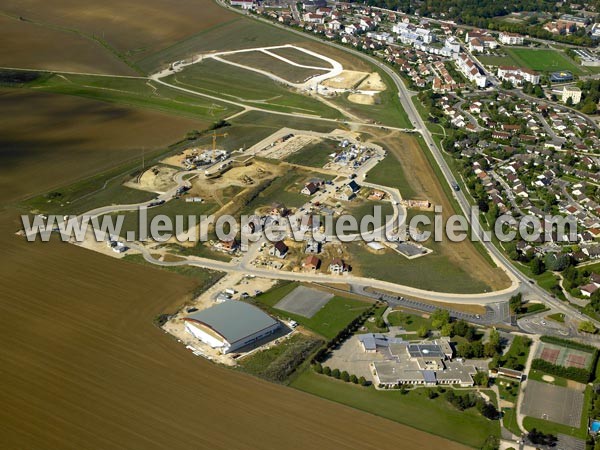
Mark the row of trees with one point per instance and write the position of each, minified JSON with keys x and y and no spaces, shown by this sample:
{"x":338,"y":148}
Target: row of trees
{"x":343,"y":375}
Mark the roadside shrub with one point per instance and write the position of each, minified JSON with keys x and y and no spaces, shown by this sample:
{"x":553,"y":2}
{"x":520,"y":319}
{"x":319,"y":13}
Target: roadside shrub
{"x":345,"y":376}
{"x":327,"y":371}
{"x":353,"y":379}
{"x":335,"y":373}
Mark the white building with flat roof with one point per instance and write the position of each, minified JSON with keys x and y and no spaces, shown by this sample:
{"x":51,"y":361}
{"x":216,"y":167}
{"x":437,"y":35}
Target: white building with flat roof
{"x":571,"y":92}
{"x":511,"y":38}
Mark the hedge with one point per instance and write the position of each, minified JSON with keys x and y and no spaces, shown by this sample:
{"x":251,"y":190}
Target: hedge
{"x":572,"y":373}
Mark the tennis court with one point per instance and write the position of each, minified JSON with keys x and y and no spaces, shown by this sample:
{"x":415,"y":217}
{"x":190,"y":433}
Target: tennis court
{"x":563,"y":356}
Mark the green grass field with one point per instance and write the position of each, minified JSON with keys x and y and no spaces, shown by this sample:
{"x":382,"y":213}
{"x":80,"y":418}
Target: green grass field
{"x":414,"y":409}
{"x":139,"y":93}
{"x":262,"y":61}
{"x":393,"y":267}
{"x":538,"y":375}
{"x":223,"y":80}
{"x":389,"y":172}
{"x":315,"y":154}
{"x":330,"y":319}
{"x":410,"y":322}
{"x":543,"y":60}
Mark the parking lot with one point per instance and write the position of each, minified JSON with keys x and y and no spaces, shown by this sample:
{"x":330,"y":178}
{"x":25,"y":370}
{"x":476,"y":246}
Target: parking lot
{"x":351,"y":358}
{"x":494,"y":313}
{"x":553,"y":403}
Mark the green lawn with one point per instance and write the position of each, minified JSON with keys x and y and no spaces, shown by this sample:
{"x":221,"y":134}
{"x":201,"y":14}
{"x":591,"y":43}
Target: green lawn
{"x":222,"y":80}
{"x":509,"y":390}
{"x":204,"y":276}
{"x":546,"y":426}
{"x":315,"y":154}
{"x":393,"y":267}
{"x":557,"y":317}
{"x":543,"y":60}
{"x":330,"y":319}
{"x":389,"y":172}
{"x":517,"y":353}
{"x":538,"y":375}
{"x":414,"y":409}
{"x":510,"y":421}
{"x":238,"y":33}
{"x":410,"y":322}
{"x":371,"y":325}
{"x":433,"y":127}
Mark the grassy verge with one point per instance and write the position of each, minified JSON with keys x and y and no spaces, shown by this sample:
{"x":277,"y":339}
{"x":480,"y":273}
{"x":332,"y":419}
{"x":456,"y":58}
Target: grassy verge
{"x":278,"y":362}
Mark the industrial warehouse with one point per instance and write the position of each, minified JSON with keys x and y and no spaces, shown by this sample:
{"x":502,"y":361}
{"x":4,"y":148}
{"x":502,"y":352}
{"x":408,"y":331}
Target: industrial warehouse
{"x":423,"y":363}
{"x":230,"y":325}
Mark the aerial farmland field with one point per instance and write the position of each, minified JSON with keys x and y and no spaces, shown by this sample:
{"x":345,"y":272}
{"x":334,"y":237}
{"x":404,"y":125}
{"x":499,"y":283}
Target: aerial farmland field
{"x":73,"y":137}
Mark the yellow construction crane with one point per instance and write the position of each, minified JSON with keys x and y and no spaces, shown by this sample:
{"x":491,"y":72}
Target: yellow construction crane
{"x":215,"y":136}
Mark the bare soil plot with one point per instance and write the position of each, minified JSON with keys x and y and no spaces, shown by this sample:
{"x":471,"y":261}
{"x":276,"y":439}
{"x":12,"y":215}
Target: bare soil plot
{"x":304,"y":301}
{"x":155,"y":179}
{"x":48,"y":140}
{"x":373,"y":83}
{"x":30,"y":46}
{"x":134,"y":28}
{"x":262,"y":61}
{"x":553,"y":403}
{"x":348,"y":79}
{"x":362,"y":99}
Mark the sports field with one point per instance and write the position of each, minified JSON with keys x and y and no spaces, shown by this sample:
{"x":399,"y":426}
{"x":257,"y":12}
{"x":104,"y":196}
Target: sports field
{"x":304,"y":301}
{"x":553,"y":403}
{"x":542,"y":60}
{"x":562,"y":356}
